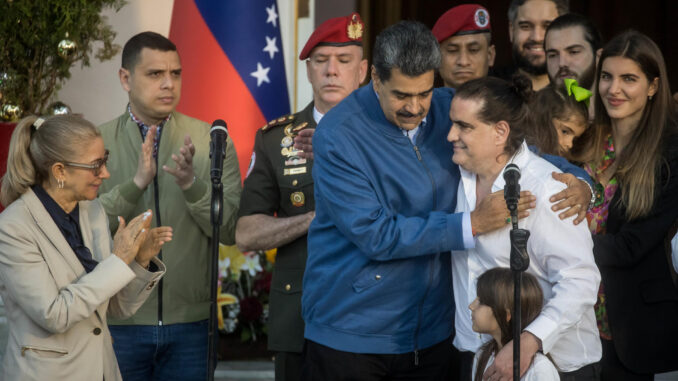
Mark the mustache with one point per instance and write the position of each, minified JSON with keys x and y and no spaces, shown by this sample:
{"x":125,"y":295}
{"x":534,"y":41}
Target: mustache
{"x":565,"y":72}
{"x":530,"y":43}
{"x":407,"y":114}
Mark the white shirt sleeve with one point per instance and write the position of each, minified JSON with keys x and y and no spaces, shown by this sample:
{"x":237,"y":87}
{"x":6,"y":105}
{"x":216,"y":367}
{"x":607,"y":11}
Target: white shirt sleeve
{"x":563,"y":253}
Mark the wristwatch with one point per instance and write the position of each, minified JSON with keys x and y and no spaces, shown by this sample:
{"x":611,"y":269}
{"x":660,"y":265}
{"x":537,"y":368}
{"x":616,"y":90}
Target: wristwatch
{"x":593,"y":194}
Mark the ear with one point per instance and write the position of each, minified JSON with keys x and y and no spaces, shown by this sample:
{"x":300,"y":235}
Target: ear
{"x":125,"y":77}
{"x":511,"y":32}
{"x":375,"y":79}
{"x":58,"y":170}
{"x":502,"y":130}
{"x":491,"y":54}
{"x":363,"y":70}
{"x":598,"y":53}
{"x":654,"y":86}
{"x":308,"y":70}
{"x":508,"y":315}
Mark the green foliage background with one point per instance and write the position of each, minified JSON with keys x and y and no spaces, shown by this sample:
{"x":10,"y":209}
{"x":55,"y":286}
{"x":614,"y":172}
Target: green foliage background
{"x":30,"y":31}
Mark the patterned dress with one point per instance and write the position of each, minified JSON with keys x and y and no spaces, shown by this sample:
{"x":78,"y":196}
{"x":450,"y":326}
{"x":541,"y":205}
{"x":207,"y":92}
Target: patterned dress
{"x":597,"y":219}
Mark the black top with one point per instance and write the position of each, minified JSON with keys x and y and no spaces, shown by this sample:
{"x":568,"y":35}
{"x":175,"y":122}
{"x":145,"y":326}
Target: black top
{"x":69,"y":224}
{"x":642,"y":301}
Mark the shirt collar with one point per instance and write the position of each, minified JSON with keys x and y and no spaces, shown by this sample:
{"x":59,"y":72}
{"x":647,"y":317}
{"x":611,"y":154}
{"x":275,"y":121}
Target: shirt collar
{"x":317,"y":115}
{"x":142,"y":124}
{"x":54,"y":209}
{"x":519,"y":158}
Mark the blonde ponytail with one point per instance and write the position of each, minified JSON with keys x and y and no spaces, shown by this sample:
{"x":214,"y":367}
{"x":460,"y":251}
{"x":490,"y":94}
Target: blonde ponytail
{"x":20,"y":173}
{"x":33,"y":151}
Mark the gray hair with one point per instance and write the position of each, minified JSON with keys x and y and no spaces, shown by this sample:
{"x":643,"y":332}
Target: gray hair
{"x":562,"y":6}
{"x":409,"y":46}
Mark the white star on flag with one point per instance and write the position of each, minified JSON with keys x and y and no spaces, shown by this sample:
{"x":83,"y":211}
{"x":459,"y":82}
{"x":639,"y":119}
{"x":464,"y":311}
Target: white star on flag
{"x":272,"y":16}
{"x":270,"y":46}
{"x":261,"y":74}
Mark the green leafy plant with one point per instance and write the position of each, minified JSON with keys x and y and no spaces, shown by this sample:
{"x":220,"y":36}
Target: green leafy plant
{"x":42,"y":39}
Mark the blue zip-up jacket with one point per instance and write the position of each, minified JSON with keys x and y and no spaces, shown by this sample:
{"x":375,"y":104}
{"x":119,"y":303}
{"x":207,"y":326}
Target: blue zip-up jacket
{"x":378,"y":277}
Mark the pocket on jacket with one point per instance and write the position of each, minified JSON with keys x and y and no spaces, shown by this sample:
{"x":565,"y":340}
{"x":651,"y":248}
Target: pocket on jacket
{"x":43,"y":351}
{"x":658,"y":290}
{"x":296,"y":194}
{"x":287,"y":281}
{"x":372,"y":274}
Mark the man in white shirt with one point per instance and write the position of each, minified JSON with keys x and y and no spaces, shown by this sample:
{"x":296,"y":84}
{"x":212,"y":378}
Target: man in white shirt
{"x":488,"y":117}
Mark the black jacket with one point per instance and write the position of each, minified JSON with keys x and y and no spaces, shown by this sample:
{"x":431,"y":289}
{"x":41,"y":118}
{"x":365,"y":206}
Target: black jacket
{"x":642,"y":300}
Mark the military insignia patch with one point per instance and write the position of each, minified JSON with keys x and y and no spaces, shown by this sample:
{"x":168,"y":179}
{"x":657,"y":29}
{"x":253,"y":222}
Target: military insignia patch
{"x":298,"y":199}
{"x":354,"y":29}
{"x":294,"y":171}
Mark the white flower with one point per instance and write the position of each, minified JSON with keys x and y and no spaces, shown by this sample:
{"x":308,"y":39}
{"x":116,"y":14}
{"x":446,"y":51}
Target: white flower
{"x":224,"y":264}
{"x":252,"y":264}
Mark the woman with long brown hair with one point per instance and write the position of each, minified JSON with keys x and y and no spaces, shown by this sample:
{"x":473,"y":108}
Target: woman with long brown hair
{"x":633,"y":158}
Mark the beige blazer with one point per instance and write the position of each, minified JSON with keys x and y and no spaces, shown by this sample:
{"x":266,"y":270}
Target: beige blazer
{"x":56,"y":311}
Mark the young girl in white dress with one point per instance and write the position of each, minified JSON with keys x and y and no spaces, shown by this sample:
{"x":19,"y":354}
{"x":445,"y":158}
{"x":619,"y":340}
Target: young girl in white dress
{"x":491,"y":314}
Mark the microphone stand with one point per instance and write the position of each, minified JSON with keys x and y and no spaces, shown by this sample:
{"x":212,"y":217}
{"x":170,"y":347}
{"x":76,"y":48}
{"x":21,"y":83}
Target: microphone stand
{"x":520,"y":261}
{"x":216,"y":219}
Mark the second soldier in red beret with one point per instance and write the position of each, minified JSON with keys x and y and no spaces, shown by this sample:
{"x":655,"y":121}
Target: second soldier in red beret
{"x":464,"y":35}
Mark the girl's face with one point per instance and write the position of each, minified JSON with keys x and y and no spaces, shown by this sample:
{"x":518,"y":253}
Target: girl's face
{"x":568,"y":130}
{"x":483,"y":319}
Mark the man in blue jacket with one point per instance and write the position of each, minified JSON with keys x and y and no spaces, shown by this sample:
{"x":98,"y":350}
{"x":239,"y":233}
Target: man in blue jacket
{"x":377,"y":288}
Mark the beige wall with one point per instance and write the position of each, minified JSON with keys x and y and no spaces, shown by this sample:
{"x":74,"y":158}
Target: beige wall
{"x":95,"y":91}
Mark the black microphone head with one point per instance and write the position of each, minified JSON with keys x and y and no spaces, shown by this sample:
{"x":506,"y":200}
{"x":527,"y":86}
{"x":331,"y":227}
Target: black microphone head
{"x":219,"y":122}
{"x":511,"y":171}
{"x":218,"y":126}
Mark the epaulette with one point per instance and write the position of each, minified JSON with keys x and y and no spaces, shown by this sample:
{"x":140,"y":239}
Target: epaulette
{"x":300,"y":127}
{"x":282,"y":121}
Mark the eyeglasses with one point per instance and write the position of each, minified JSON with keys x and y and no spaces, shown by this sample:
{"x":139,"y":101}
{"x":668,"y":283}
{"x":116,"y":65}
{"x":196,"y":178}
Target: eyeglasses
{"x":95,"y":168}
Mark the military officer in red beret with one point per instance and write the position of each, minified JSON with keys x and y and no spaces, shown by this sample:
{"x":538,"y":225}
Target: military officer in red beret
{"x":277,"y":203}
{"x":465,"y":38}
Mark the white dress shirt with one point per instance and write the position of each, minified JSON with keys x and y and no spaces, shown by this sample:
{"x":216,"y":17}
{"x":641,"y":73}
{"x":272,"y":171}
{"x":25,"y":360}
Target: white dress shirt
{"x":561,"y":258}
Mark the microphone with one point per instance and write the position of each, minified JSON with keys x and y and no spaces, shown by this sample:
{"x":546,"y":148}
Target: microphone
{"x":512,"y":187}
{"x":218,"y":134}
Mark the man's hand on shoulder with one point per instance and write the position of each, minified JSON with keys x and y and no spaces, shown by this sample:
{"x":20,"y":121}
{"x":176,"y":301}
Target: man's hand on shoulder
{"x":573,"y":200}
{"x":502,"y":367}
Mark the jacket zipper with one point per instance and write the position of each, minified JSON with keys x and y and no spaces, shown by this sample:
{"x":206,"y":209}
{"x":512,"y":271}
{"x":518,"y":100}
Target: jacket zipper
{"x":430,"y":272}
{"x":156,"y":193}
{"x":38,"y":349}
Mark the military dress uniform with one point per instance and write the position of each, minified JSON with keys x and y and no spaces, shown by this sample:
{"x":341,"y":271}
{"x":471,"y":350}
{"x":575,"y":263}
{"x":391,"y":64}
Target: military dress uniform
{"x":280,"y":183}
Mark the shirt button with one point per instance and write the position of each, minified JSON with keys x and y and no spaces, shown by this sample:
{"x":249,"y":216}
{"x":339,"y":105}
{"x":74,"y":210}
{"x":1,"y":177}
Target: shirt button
{"x":150,"y":285}
{"x":295,"y":182}
{"x":377,"y":277}
{"x":288,"y":287}
{"x":97,"y":331}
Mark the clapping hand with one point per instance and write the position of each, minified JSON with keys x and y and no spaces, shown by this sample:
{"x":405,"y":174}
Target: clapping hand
{"x":129,"y":237}
{"x":183,"y":172}
{"x":152,"y":244}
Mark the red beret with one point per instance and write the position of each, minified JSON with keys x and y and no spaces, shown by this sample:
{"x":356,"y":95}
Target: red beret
{"x":463,"y":19}
{"x":338,"y":31}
